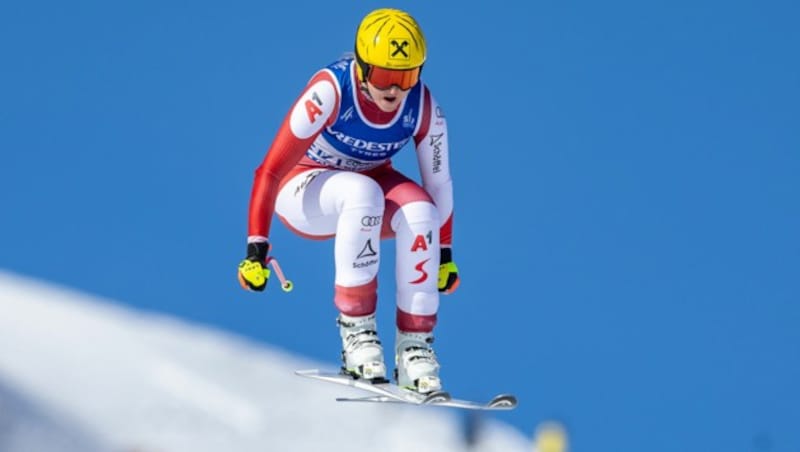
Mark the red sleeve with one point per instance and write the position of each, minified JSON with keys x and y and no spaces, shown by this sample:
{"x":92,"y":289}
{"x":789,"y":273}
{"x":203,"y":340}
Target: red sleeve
{"x":316,"y":107}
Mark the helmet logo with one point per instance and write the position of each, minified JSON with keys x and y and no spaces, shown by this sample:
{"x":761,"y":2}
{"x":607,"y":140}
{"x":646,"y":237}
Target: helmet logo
{"x":399,"y":51}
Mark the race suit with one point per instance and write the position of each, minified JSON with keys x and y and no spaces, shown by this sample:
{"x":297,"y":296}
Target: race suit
{"x":328,"y":174}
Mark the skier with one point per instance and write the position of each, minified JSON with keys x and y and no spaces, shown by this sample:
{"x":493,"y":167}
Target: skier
{"x":328,"y":174}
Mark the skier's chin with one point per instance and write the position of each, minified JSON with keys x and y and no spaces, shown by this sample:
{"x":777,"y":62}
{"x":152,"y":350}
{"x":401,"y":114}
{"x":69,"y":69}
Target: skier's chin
{"x":388,"y":103}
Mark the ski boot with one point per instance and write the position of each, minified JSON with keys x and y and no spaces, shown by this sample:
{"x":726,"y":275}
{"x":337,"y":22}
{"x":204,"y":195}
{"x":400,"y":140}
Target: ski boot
{"x":362,"y":354}
{"x":416,"y":367}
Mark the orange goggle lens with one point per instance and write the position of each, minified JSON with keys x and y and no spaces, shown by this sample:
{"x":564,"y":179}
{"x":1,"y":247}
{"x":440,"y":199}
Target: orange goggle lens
{"x":383,"y":78}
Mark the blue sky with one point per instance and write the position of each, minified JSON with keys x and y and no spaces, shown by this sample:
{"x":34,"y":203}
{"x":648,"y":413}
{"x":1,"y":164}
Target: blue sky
{"x":626,"y":179}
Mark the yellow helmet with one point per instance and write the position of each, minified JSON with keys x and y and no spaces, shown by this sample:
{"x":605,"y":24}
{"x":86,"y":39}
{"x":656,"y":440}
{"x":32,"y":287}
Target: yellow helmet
{"x":389,"y":38}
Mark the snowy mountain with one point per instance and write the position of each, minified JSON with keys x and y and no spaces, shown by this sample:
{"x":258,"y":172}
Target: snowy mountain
{"x":81,"y":374}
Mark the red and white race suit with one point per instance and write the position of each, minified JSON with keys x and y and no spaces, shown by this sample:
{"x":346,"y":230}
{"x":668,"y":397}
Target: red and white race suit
{"x":328,"y":174}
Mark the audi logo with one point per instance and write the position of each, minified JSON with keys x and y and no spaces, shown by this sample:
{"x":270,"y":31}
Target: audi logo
{"x":370,"y":221}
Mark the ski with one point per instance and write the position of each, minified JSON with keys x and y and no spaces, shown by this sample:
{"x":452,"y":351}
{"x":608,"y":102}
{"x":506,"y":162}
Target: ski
{"x":388,"y":392}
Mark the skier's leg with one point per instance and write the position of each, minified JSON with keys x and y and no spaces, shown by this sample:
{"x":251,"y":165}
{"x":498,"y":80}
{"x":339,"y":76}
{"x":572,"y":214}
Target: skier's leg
{"x":414,"y":222}
{"x":325,"y":203}
{"x":416,"y":231}
{"x":416,"y":226}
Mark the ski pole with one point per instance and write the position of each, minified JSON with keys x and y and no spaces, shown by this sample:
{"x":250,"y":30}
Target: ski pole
{"x":286,"y":284}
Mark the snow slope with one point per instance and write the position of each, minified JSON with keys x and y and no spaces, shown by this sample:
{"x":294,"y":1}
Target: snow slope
{"x":81,"y":374}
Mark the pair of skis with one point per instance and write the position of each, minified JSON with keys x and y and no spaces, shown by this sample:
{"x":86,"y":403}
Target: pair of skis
{"x":388,"y":392}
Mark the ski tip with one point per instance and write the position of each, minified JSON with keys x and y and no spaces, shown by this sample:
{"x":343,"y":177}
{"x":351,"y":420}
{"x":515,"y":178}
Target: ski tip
{"x":504,"y":401}
{"x":307,"y":372}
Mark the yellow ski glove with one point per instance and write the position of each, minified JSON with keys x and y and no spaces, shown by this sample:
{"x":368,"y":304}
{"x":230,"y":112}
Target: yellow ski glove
{"x":448,"y":272}
{"x":253,"y":271}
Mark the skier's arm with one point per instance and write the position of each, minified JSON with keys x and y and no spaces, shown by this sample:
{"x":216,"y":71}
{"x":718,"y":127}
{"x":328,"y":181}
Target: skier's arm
{"x":433,"y":155}
{"x":434,"y":163}
{"x":312,"y":111}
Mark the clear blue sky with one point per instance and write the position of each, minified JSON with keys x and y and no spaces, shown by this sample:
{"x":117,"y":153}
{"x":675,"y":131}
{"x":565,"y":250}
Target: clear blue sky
{"x":626,"y":176}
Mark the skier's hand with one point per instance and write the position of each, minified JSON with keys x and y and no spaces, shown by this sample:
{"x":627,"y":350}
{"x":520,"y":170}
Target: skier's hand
{"x":448,"y":272}
{"x":253,"y":271}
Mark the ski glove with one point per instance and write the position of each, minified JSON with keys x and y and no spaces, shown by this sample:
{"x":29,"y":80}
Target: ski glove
{"x":448,"y":272}
{"x":253,"y":271}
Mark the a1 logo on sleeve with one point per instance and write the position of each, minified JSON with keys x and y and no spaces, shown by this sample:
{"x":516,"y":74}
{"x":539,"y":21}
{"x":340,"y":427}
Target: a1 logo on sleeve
{"x":312,"y":109}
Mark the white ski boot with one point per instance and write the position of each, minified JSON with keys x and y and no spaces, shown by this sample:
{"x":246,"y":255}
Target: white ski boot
{"x":362,"y":353}
{"x":416,"y":365}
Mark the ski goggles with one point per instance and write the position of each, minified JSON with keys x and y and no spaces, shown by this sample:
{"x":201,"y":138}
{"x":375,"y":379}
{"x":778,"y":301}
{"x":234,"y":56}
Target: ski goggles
{"x":383,"y":78}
